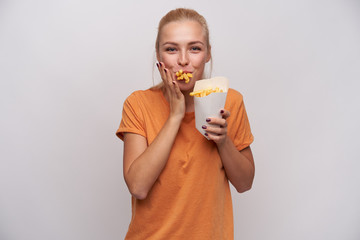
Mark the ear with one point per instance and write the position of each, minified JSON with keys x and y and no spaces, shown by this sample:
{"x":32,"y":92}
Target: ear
{"x":208,"y":57}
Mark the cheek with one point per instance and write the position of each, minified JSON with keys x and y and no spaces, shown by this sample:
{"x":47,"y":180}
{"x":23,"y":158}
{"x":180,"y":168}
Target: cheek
{"x":199,"y":60}
{"x":169,"y":60}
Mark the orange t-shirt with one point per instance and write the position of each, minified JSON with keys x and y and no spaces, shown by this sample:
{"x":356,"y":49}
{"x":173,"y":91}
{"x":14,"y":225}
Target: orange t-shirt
{"x":191,"y":198}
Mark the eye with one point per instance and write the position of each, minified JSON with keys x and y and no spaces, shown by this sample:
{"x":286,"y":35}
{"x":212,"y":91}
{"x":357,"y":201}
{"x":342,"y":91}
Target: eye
{"x":195,"y":49}
{"x":170,"y":49}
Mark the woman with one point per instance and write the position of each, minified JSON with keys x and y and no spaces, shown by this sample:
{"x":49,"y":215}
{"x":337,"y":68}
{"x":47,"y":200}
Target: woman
{"x":178,"y":179}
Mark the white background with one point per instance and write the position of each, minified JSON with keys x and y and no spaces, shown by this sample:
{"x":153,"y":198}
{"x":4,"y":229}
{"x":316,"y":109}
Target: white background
{"x":67,"y":66}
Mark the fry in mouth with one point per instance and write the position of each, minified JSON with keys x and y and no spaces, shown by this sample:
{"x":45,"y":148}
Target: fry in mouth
{"x":183,"y":76}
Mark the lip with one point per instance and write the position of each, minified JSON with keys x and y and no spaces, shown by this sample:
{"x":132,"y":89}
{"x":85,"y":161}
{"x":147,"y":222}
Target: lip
{"x":184,"y":71}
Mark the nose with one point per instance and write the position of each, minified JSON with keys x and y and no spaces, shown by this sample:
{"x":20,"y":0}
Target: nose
{"x":183,"y":59}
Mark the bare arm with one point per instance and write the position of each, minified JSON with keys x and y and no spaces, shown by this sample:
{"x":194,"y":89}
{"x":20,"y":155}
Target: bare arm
{"x":143,"y":164}
{"x":239,"y":165}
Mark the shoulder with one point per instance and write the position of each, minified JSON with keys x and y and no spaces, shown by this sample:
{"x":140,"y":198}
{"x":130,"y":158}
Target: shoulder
{"x":140,"y":94}
{"x":143,"y":95}
{"x":234,"y":94}
{"x":233,"y":98}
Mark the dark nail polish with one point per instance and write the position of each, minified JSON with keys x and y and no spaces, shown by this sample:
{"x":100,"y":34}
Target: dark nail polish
{"x":160,"y":64}
{"x":157,"y":65}
{"x":222,"y":111}
{"x":204,"y":126}
{"x":206,"y":134}
{"x":165,"y":70}
{"x":208,"y":119}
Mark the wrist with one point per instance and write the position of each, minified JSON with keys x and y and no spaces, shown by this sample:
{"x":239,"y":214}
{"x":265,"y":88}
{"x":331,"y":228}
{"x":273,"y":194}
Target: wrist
{"x":175,"y":120}
{"x":222,"y":144}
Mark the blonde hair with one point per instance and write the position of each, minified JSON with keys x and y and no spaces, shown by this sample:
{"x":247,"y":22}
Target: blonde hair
{"x":182,"y":14}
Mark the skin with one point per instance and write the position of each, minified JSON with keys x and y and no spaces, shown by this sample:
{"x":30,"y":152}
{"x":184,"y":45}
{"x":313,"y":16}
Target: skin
{"x":182,"y":45}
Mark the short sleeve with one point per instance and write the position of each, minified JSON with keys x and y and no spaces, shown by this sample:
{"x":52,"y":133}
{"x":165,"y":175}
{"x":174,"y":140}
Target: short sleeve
{"x":132,"y":118}
{"x":238,"y":124}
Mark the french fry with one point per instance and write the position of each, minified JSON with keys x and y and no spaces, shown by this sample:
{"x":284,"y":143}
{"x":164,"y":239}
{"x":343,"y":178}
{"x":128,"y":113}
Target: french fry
{"x":183,"y":76}
{"x":205,"y":92}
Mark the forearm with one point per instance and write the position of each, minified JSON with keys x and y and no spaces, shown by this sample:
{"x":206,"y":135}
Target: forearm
{"x":146,"y":168}
{"x":239,"y":167}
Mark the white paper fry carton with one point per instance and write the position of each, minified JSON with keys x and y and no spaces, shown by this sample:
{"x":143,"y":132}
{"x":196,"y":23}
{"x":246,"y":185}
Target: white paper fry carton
{"x":210,"y":105}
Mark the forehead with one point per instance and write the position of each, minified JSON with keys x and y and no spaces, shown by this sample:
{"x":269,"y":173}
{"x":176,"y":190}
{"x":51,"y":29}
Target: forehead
{"x":182,"y":31}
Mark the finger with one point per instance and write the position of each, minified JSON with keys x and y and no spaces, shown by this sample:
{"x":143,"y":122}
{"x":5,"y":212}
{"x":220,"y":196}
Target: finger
{"x":162,"y":74}
{"x":177,"y":89}
{"x":217,"y":121}
{"x":215,"y":130}
{"x":224,"y":113}
{"x":161,"y":67}
{"x":168,"y":77}
{"x":214,"y":137}
{"x":169,"y":74}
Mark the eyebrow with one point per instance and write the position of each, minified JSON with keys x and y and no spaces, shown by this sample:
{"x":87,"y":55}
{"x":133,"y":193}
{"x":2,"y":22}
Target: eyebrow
{"x":190,"y":43}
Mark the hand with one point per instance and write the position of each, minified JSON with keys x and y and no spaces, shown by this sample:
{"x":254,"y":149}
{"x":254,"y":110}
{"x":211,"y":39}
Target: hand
{"x":172,"y":93}
{"x":217,"y":131}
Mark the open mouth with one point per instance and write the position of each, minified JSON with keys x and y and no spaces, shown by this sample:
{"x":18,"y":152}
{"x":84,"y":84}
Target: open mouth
{"x":181,"y":75}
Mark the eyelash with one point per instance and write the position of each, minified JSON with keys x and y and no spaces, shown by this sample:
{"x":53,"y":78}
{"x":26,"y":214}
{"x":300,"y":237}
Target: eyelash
{"x":195,"y":49}
{"x":171,"y":49}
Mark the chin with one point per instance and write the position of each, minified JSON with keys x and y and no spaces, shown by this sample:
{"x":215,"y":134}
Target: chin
{"x":184,"y":87}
